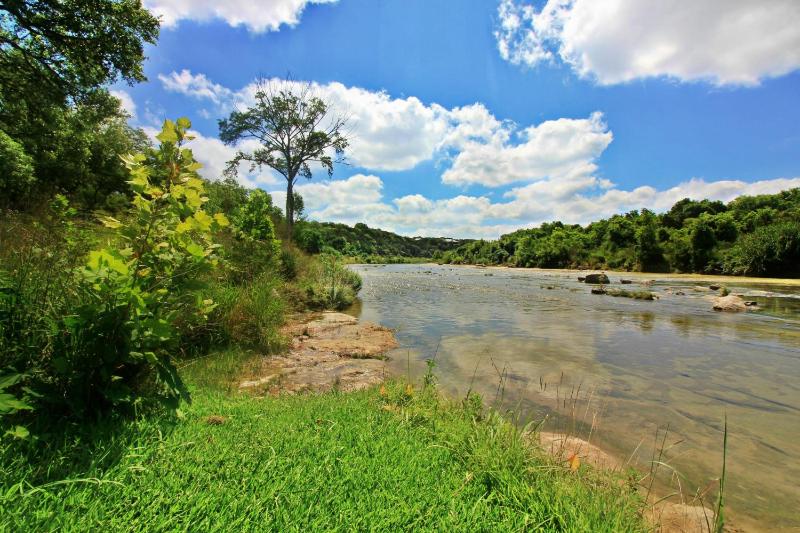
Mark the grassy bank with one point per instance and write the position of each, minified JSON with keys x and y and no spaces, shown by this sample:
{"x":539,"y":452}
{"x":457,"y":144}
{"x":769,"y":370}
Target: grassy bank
{"x":379,"y":460}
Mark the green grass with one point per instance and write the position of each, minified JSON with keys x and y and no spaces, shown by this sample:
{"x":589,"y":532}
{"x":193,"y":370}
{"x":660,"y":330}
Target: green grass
{"x":361,"y":461}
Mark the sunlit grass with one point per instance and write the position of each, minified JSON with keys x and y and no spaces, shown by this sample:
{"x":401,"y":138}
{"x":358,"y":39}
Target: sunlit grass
{"x":386,"y":460}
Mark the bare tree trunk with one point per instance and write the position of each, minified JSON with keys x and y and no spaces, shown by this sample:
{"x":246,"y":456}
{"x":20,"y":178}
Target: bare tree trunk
{"x":290,"y":210}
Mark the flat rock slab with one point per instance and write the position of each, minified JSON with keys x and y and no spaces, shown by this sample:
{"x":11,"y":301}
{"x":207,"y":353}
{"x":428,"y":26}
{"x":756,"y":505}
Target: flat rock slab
{"x":327,"y":350}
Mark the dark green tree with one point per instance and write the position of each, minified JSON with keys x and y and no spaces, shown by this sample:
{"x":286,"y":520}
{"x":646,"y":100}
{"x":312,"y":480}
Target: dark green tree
{"x":295,"y":127}
{"x":67,"y":48}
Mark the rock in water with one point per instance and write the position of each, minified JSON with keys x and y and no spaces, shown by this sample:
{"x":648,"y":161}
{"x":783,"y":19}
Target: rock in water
{"x":598,"y":291}
{"x":731,"y":303}
{"x":714,"y":287}
{"x":581,"y":279}
{"x":597,"y":279}
{"x":626,"y":281}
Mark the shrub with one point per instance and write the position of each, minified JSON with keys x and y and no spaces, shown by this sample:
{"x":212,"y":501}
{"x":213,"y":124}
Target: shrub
{"x":107,"y":332}
{"x":332,"y":285}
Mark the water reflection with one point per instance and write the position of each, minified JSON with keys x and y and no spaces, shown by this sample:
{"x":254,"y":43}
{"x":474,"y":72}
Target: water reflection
{"x":539,"y":343}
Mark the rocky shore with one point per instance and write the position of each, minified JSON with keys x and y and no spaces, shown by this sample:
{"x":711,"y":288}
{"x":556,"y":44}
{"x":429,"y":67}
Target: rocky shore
{"x":326,"y":351}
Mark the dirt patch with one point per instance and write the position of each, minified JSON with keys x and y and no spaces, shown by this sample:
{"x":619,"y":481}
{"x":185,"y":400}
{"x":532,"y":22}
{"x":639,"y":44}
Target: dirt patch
{"x":327,"y":350}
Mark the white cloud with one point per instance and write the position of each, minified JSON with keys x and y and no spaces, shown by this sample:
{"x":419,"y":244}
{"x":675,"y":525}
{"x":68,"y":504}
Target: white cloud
{"x":391,"y":134}
{"x":551,"y":165}
{"x":563,"y":148}
{"x":195,"y":85}
{"x":726,"y":42}
{"x":360,"y":199}
{"x":256,"y":15}
{"x":126,"y":102}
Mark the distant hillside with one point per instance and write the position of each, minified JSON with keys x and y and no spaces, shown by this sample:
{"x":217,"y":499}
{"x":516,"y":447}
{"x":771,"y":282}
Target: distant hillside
{"x":751,"y":235}
{"x":362,"y":241}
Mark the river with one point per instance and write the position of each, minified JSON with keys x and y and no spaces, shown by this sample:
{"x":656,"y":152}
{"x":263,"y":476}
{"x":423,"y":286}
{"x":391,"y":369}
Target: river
{"x":618,"y":371}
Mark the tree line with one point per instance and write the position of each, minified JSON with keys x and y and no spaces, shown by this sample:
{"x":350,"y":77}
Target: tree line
{"x":751,"y":235}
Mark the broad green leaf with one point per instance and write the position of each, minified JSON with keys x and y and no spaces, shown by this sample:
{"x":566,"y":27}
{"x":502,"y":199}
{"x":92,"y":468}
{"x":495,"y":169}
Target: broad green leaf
{"x":10,"y":403}
{"x":18,"y":432}
{"x":8,"y":380}
{"x":221,"y":220}
{"x":184,"y":123}
{"x":195,"y":249}
{"x":168,"y":133}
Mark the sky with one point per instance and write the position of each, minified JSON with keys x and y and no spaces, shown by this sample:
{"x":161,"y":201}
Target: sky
{"x":473,"y":118}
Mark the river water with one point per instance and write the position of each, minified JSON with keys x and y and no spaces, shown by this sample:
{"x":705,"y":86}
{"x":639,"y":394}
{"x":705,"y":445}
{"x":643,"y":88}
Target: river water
{"x":624,"y":373}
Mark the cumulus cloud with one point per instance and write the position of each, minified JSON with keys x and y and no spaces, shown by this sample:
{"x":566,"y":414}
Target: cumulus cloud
{"x":386,"y":133}
{"x":125,"y":101}
{"x":544,"y":172}
{"x":399,"y":133}
{"x":360,"y":199}
{"x":563,"y":148}
{"x":726,"y":42}
{"x":197,"y":86}
{"x":256,"y":15}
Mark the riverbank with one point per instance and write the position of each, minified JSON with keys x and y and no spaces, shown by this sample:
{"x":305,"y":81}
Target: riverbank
{"x":621,"y":274}
{"x":619,"y":370}
{"x":386,"y":458}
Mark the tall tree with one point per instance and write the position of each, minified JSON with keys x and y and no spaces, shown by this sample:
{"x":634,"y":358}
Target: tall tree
{"x":295,"y":127}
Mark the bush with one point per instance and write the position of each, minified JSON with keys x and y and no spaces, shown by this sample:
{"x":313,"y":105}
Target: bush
{"x":104,"y":335}
{"x":772,"y":250}
{"x":332,"y":285}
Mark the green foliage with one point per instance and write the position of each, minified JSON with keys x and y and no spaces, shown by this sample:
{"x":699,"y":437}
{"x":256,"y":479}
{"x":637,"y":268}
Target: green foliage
{"x":75,"y":150}
{"x":139,"y":289}
{"x":252,"y":314}
{"x":772,"y":250}
{"x":225,"y":196}
{"x":67,"y":48}
{"x":16,"y":169}
{"x":100,"y":330}
{"x":254,"y":217}
{"x":38,"y":257}
{"x":755,"y":236}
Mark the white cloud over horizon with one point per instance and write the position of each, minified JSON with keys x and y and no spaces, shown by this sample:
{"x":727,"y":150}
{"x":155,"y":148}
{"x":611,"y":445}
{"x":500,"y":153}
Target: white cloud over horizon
{"x":257,"y":16}
{"x":541,"y":172}
{"x":359,"y":198}
{"x":725,"y":42}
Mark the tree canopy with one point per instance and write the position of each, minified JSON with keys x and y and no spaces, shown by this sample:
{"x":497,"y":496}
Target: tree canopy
{"x":70,"y":47}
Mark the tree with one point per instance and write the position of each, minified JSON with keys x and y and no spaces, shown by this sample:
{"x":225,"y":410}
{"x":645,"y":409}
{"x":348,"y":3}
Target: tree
{"x":66,"y":48}
{"x":295,"y":128}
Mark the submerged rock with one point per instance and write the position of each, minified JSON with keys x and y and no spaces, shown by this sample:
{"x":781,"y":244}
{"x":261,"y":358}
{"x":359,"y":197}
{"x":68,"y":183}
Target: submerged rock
{"x":731,"y":303}
{"x":714,"y":287}
{"x":597,"y":279}
{"x":581,"y":278}
{"x":626,"y":281}
{"x":599,"y":291}
{"x":751,"y":304}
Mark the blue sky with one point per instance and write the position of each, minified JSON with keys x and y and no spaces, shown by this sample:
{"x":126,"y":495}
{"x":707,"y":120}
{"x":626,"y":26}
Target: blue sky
{"x":476,"y":117}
